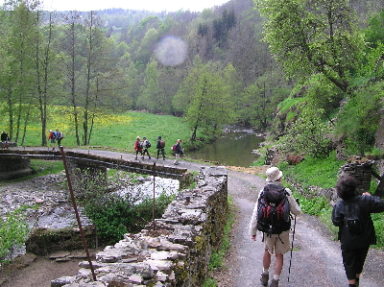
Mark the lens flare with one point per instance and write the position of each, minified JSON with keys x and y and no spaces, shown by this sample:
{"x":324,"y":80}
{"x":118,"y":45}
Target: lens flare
{"x":171,"y":51}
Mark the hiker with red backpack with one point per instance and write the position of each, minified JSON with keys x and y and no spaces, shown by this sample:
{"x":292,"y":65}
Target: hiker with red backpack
{"x":272,"y":216}
{"x":52,"y":139}
{"x":138,"y":147}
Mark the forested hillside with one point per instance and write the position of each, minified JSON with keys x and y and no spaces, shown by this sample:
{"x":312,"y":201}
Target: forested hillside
{"x":309,"y":69}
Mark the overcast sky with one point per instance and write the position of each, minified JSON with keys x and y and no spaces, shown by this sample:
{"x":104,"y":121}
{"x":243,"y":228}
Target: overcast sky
{"x":150,"y":5}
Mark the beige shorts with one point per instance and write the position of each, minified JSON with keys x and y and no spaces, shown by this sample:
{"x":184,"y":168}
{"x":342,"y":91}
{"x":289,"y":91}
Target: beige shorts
{"x":277,"y":243}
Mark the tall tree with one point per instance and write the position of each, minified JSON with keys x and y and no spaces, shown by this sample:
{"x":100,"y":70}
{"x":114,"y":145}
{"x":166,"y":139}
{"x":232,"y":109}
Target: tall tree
{"x":23,"y":31}
{"x":313,"y":36}
{"x":150,"y":93}
{"x":71,"y":46}
{"x":94,"y":56}
{"x":206,"y":100}
{"x":42,"y":73}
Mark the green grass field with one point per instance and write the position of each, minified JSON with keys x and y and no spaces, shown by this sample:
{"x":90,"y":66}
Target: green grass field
{"x":116,"y":131}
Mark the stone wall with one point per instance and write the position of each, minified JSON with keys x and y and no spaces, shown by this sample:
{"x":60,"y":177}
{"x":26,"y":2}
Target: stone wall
{"x":171,"y":251}
{"x":13,"y":167}
{"x":362,"y":171}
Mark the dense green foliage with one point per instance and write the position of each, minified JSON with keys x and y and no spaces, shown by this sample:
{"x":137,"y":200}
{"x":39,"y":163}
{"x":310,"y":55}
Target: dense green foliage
{"x":114,"y":216}
{"x":337,"y":65}
{"x":13,"y":231}
{"x":308,"y":135}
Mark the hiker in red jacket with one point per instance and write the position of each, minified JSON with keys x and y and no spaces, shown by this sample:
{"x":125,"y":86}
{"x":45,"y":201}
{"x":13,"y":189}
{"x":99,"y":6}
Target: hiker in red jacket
{"x":138,"y":146}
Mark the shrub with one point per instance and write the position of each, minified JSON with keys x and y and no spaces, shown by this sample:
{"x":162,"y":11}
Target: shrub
{"x":13,"y":231}
{"x":308,"y":135}
{"x":114,"y":215}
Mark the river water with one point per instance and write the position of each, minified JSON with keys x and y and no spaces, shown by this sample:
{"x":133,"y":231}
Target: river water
{"x":232,"y":148}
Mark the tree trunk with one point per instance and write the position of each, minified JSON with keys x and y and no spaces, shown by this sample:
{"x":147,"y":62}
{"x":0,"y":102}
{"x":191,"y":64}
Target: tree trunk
{"x":10,"y":111}
{"x":45,"y":90}
{"x":88,"y":82}
{"x":72,"y":80}
{"x":193,"y":136}
{"x":94,"y":111}
{"x":26,"y":122}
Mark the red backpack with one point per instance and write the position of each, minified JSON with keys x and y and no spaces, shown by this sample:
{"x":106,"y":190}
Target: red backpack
{"x":273,"y":210}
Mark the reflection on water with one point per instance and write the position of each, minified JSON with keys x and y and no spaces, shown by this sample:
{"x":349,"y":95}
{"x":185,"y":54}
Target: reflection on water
{"x":233,"y":148}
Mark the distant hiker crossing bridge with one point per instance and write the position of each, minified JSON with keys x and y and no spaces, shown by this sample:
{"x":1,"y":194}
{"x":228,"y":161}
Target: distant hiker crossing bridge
{"x":15,"y":162}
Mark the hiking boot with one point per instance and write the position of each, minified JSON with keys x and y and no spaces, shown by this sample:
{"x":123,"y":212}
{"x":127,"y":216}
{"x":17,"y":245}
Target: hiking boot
{"x":274,"y":283}
{"x":264,"y":279}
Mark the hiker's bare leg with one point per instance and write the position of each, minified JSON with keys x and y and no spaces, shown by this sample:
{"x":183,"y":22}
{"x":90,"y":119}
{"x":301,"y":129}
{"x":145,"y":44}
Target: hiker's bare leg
{"x":352,"y":282}
{"x":266,"y":259}
{"x":279,"y":263}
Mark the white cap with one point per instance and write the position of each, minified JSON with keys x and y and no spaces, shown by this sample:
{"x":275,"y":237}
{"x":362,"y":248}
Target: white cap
{"x":273,"y":174}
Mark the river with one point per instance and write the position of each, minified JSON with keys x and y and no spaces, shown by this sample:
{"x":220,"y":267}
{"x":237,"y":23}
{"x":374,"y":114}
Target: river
{"x":232,"y":148}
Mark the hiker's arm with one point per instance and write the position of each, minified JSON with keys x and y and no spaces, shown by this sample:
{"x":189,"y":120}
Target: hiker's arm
{"x":376,"y":204}
{"x":293,"y":205}
{"x":337,"y":218}
{"x":253,"y":223}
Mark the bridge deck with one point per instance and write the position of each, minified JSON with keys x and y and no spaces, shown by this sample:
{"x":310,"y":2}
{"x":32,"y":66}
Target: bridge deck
{"x":96,"y":159}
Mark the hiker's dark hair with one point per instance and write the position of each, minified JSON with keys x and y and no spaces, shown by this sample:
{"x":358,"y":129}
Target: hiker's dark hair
{"x":346,"y":187}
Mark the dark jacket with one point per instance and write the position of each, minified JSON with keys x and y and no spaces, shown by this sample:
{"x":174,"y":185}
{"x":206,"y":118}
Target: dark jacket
{"x":160,"y":144}
{"x":179,"y":149}
{"x":4,"y":137}
{"x":361,"y":207}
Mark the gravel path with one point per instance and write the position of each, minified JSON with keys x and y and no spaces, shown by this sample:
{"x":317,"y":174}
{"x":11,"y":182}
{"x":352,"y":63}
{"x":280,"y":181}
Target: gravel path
{"x":316,"y":257}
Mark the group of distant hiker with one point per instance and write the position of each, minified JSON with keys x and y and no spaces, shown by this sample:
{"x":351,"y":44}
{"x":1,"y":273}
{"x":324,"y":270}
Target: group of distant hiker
{"x":55,"y":137}
{"x":141,"y":147}
{"x":272,"y":216}
{"x":4,"y":140}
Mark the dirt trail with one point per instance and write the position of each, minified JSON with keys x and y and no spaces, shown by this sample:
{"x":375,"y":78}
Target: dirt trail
{"x":37,"y":272}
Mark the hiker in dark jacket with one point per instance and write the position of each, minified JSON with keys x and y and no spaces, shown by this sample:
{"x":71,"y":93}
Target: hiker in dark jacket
{"x":352,"y":214}
{"x":178,"y":150}
{"x":146,"y":146}
{"x":160,"y":147}
{"x":4,"y":140}
{"x":4,"y":136}
{"x":277,"y":244}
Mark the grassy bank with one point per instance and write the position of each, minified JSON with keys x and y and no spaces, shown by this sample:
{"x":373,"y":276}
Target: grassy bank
{"x":117,"y":131}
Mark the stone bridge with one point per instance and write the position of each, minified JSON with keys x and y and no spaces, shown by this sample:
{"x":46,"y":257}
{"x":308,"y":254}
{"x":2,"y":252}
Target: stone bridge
{"x":172,"y":251}
{"x":15,"y":162}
